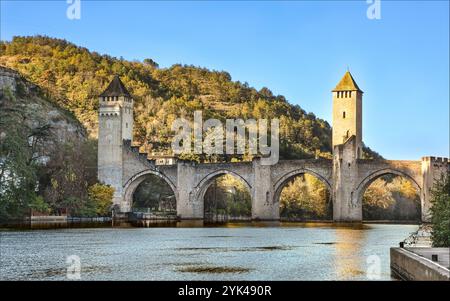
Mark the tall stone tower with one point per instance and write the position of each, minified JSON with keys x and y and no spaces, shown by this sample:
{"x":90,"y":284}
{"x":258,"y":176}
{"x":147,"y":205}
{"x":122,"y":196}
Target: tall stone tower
{"x":115,"y":125}
{"x":347,"y":148}
{"x":347,"y":112}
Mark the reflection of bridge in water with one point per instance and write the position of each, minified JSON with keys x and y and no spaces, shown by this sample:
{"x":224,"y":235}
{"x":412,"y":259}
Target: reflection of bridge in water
{"x":346,"y":176}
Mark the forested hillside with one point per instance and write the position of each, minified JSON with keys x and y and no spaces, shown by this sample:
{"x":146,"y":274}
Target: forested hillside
{"x":46,"y":162}
{"x":74,"y":76}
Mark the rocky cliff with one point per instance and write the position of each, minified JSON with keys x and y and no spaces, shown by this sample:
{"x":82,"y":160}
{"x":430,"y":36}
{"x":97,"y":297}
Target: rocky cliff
{"x":28,"y":101}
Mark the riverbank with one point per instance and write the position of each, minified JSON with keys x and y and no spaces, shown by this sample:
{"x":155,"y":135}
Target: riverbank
{"x":126,"y":222}
{"x":416,"y":259}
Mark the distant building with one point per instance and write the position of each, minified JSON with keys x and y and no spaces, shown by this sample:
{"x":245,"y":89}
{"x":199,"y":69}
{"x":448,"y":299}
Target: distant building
{"x":162,"y":159}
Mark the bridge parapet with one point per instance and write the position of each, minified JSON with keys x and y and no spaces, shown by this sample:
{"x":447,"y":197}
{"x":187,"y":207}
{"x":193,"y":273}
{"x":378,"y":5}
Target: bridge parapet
{"x":408,"y":168}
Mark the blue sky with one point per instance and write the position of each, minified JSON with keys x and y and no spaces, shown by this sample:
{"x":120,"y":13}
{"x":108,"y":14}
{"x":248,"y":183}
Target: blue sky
{"x":299,"y":49}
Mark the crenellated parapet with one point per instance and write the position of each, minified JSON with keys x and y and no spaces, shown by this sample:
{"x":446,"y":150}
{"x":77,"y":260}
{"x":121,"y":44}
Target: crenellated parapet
{"x":433,"y":168}
{"x":135,"y":150}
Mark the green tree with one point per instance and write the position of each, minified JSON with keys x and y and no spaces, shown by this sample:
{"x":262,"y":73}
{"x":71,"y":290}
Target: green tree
{"x":227,"y":195}
{"x":19,"y":142}
{"x":440,"y":211}
{"x":38,"y":204}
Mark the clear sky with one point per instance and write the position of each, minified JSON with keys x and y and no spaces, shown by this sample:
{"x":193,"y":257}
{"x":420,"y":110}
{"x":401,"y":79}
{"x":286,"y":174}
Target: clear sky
{"x":299,"y":49}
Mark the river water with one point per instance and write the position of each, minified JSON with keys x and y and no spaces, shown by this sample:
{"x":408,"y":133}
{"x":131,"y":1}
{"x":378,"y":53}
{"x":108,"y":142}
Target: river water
{"x":257,"y":251}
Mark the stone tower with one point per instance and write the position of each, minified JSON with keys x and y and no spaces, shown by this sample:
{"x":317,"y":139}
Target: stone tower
{"x":115,"y":125}
{"x":347,"y":112}
{"x":347,"y":148}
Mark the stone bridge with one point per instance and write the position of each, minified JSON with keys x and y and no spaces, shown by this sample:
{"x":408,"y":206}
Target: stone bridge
{"x":346,"y":176}
{"x":190,"y":181}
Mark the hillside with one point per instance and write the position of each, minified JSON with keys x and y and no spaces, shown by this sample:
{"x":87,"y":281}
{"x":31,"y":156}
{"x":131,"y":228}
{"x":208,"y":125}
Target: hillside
{"x":24,"y":102}
{"x":74,"y":76}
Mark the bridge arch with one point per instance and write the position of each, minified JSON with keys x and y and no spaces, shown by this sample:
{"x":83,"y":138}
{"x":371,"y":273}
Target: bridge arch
{"x":200,"y":190}
{"x":204,"y":183}
{"x":281,"y":183}
{"x":369,"y":179}
{"x":365,"y":183}
{"x":284,"y":181}
{"x":133,"y":182}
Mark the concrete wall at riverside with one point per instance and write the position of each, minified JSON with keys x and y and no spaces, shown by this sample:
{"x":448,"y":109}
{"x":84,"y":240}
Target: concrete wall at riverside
{"x":410,"y":266}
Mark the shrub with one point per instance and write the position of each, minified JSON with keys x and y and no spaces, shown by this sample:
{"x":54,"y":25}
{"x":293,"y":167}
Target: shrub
{"x":440,"y":211}
{"x":100,"y":197}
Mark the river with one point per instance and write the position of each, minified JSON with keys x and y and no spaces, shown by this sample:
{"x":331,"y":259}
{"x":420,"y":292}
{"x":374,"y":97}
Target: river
{"x":256,"y":251}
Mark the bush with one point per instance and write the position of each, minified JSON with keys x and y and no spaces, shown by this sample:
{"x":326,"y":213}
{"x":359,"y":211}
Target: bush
{"x":100,"y":198}
{"x":38,"y":204}
{"x":440,"y":211}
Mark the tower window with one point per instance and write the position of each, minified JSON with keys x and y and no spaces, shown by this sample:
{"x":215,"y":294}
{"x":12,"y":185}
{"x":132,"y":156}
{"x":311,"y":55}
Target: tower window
{"x":126,"y":124}
{"x":350,"y":94}
{"x":343,"y":115}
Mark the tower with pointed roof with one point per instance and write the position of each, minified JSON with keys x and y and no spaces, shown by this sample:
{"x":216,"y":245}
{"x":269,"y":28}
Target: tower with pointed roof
{"x":347,"y":148}
{"x":115,"y":126}
{"x":347,"y":112}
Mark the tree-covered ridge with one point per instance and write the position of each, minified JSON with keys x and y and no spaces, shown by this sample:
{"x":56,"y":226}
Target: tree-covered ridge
{"x":75,"y":76}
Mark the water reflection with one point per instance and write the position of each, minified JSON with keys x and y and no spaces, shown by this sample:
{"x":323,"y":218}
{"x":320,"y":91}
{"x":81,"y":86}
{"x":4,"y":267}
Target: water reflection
{"x":348,"y":260}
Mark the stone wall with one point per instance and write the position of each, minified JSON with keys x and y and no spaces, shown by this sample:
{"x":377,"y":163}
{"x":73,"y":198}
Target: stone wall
{"x":432,"y":169}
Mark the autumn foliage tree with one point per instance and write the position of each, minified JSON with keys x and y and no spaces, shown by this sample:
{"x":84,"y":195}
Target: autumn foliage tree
{"x":391,"y":197}
{"x":101,"y":196}
{"x":305,"y":197}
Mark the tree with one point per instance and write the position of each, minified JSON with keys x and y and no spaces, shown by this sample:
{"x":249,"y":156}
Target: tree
{"x":74,"y":77}
{"x":38,"y":204}
{"x":151,"y":62}
{"x":305,"y":197}
{"x":101,"y":197}
{"x":391,"y":197}
{"x":65,"y":179}
{"x":227,"y":195}
{"x":440,"y":211}
{"x":19,"y":143}
{"x":152,"y":193}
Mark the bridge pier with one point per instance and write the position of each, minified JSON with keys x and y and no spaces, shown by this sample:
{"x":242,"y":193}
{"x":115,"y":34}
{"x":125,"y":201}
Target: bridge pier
{"x":264,"y":207}
{"x":346,"y":207}
{"x":188,"y":205}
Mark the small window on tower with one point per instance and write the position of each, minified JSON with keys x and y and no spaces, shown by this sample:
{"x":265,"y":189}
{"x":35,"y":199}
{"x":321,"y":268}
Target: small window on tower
{"x":126,"y":124}
{"x":343,"y":115}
